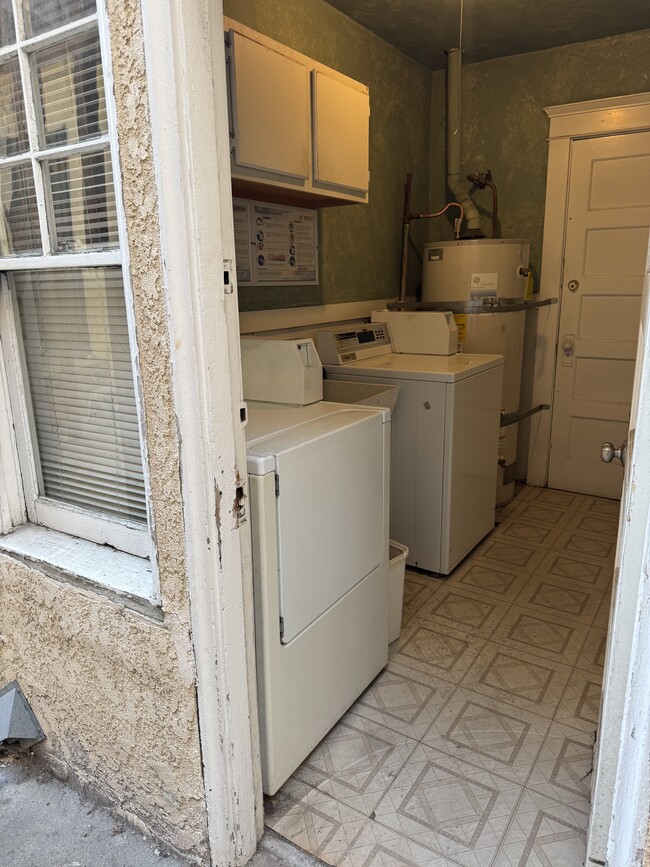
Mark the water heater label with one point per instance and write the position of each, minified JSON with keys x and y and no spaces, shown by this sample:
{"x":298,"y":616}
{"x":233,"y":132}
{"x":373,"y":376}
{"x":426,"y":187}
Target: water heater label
{"x":484,"y":283}
{"x":461,"y":326}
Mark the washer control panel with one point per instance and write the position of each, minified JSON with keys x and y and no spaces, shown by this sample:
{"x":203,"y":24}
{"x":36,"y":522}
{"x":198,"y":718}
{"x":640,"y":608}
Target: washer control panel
{"x":342,"y":346}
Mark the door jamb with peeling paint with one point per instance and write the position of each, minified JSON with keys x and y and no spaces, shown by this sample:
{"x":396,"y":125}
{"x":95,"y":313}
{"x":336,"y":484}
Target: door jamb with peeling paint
{"x":187,"y":93}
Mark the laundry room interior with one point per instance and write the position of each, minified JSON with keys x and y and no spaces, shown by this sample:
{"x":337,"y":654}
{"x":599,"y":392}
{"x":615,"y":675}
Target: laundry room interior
{"x":438,"y":371}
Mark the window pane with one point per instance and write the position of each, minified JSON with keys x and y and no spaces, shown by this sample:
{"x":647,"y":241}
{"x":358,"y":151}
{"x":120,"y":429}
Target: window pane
{"x":7,"y":27}
{"x":83,"y":202}
{"x":78,"y":363}
{"x":44,"y":15}
{"x":13,"y":130}
{"x":71,"y":91}
{"x":19,"y":228}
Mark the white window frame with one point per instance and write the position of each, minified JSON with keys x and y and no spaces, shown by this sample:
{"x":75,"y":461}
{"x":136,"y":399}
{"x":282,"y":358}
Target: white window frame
{"x":128,"y":536}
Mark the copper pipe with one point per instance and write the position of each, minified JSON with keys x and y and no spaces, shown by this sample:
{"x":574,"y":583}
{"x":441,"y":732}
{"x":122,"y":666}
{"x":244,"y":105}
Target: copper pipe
{"x":406,"y":222}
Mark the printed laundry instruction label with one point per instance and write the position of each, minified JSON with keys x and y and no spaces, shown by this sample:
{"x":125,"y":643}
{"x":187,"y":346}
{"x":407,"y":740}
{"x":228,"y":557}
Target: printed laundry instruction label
{"x":274,"y":244}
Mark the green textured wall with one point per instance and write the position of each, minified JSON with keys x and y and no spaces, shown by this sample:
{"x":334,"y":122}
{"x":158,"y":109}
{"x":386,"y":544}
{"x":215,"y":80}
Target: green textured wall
{"x":360,"y":245}
{"x":505,"y":128}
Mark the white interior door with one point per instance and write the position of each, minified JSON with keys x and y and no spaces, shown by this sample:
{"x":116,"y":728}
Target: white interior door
{"x":606,"y":241}
{"x":621,"y":790}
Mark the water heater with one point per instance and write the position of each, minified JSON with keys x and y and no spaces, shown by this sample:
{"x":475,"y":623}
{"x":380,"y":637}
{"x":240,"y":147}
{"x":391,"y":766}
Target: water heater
{"x":486,"y":269}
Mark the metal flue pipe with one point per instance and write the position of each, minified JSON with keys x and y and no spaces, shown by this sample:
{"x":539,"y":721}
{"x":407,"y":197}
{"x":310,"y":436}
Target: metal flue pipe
{"x":455,"y":179}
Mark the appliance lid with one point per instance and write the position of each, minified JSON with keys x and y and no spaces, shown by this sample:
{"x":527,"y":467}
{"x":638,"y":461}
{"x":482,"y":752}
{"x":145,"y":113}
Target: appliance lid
{"x":285,"y":431}
{"x":437,"y":368}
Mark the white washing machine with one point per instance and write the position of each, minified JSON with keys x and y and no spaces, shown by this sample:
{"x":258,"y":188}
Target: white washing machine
{"x":318,"y":485}
{"x":445,"y":438}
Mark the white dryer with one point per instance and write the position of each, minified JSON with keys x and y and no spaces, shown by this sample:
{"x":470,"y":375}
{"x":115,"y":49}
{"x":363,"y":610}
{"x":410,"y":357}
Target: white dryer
{"x":445,"y":439}
{"x":318,"y":485}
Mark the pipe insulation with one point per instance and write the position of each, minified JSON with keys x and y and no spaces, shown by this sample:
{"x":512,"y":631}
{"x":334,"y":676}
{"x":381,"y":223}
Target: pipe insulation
{"x":455,"y":179}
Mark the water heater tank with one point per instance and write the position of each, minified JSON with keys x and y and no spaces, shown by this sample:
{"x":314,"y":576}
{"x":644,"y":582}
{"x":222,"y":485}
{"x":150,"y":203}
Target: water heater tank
{"x":490,"y":269}
{"x":471,"y":270}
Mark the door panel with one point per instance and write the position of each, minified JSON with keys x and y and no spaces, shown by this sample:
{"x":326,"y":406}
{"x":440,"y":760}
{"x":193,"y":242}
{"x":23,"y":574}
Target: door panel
{"x":331,"y":531}
{"x":606,"y":242}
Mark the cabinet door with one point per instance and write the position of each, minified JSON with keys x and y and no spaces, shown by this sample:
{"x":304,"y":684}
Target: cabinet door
{"x":341,"y":118}
{"x":270,"y":108}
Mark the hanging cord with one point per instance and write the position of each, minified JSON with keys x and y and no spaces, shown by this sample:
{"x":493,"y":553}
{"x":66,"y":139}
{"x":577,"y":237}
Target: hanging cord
{"x":460,"y":49}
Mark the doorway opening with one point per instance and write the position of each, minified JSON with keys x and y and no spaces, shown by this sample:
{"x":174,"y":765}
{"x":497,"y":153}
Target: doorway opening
{"x":475,"y":745}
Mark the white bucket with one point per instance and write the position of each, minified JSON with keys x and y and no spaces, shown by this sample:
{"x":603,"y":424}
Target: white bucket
{"x":396,"y":567}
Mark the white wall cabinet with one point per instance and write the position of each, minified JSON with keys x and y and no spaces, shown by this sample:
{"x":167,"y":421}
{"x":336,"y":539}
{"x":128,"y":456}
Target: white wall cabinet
{"x":299,"y":130}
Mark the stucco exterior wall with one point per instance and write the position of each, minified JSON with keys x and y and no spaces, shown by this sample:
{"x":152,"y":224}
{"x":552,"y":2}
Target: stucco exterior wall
{"x":114,"y":689}
{"x":360,"y":245}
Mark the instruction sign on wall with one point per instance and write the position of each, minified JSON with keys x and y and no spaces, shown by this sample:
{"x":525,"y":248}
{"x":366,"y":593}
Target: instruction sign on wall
{"x":275,"y":244}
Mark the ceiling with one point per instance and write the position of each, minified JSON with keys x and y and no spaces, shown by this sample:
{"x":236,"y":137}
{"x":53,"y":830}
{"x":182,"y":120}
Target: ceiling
{"x":425,"y":29}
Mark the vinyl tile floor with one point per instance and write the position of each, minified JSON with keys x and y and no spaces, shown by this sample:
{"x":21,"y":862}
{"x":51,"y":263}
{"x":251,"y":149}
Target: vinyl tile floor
{"x":474,"y":746}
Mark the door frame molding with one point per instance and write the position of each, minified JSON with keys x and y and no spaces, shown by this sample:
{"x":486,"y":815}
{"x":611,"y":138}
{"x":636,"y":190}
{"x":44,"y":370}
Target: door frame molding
{"x":186,"y":89}
{"x":578,"y":120}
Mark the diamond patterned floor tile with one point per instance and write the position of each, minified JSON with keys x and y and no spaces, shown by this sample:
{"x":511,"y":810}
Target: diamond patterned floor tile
{"x":564,"y":766}
{"x":601,"y":506}
{"x":601,"y":620}
{"x":538,"y":513}
{"x":567,"y":601}
{"x":417,"y":590}
{"x":564,"y":500}
{"x":356,"y":762}
{"x":592,"y":655}
{"x":404,"y":699}
{"x":544,"y":833}
{"x":540,"y":633}
{"x":377,"y":846}
{"x":580,"y":705}
{"x":459,"y":608}
{"x":482,"y":732}
{"x":593,"y":524}
{"x":577,"y":570}
{"x":435,"y":651}
{"x":449,"y":806}
{"x":502,"y":552}
{"x":503,"y":583}
{"x":313,"y":821}
{"x":582,"y":545}
{"x":517,"y":530}
{"x":518,"y":679}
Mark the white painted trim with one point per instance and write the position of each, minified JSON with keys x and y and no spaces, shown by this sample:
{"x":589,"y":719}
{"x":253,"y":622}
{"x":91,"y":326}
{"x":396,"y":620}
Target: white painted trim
{"x":579,"y":120}
{"x":600,"y":116}
{"x":95,"y":145}
{"x":621,"y":787}
{"x":62,"y":260}
{"x":20,"y":398}
{"x":124,"y":577}
{"x":12,"y":501}
{"x":258,"y":321}
{"x":186,"y":73}
{"x":43,"y":40}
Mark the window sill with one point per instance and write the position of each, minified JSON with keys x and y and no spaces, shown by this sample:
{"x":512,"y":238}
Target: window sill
{"x":122,"y":577}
